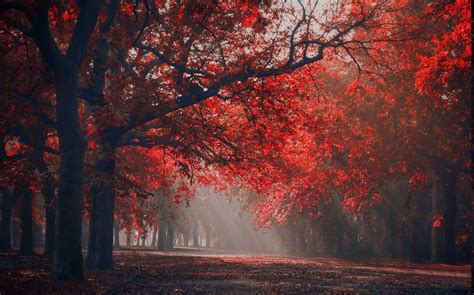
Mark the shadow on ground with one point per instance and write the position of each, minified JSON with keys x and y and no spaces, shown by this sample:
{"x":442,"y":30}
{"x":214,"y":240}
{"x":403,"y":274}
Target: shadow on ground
{"x":198,"y":272}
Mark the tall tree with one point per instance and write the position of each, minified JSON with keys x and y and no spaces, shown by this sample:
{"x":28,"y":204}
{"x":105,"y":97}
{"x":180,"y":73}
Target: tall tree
{"x":65,"y":67}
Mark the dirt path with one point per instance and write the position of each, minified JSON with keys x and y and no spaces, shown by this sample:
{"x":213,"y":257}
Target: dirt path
{"x":197,"y":273}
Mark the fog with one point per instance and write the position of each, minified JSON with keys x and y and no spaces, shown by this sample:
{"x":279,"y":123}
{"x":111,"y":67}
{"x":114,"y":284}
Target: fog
{"x":222,"y":225}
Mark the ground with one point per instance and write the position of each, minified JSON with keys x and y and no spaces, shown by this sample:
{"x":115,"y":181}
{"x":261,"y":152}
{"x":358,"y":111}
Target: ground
{"x":148,"y":272}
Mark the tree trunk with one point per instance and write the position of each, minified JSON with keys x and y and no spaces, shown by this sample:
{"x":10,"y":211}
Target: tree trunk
{"x":338,"y":236}
{"x":117,"y":235}
{"x":304,"y":236}
{"x":129,"y":242}
{"x":102,"y":212}
{"x":312,"y":249}
{"x":195,"y":233}
{"x":436,"y":232}
{"x":26,"y":246}
{"x":369,"y":237}
{"x":37,"y":235}
{"x":208,"y":236}
{"x":218,"y":239}
{"x":5,"y":235}
{"x":16,"y":228}
{"x":170,"y":236}
{"x":161,"y":235}
{"x":153,"y":237}
{"x":101,"y":246}
{"x":353,"y":243}
{"x":450,"y":214}
{"x":48,"y":195}
{"x":416,"y":230}
{"x":186,"y":239}
{"x":390,"y":238}
{"x":67,"y":250}
{"x":85,"y":234}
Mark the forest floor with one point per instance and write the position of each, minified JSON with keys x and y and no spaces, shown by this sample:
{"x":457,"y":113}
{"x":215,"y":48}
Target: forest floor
{"x":147,"y":272}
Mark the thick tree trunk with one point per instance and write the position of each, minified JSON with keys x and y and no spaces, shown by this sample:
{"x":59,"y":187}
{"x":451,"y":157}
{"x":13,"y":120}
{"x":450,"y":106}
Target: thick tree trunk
{"x":102,"y":213}
{"x":450,"y":214}
{"x":48,"y":194}
{"x":67,"y":250}
{"x":5,"y":235}
{"x":26,"y":246}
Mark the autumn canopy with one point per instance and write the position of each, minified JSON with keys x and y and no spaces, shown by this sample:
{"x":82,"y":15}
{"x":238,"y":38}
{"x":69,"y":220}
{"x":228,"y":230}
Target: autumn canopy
{"x":350,"y":118}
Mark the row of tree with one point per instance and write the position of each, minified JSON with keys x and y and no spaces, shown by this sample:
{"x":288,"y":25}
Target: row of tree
{"x":110,"y":106}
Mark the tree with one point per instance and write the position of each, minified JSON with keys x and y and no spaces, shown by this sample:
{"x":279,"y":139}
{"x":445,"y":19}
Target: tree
{"x":65,"y":68}
{"x":179,"y":81}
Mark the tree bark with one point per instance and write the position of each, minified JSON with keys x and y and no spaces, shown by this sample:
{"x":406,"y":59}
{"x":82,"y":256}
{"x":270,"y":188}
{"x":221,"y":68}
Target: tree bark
{"x":48,"y":195}
{"x":436,"y":232}
{"x":208,"y":236}
{"x":369,"y":239}
{"x":5,"y":235}
{"x":102,"y":216}
{"x":313,"y":240}
{"x":415,"y":229}
{"x":186,"y":239}
{"x":67,"y":251}
{"x":101,"y":227}
{"x":15,"y":226}
{"x":26,"y":245}
{"x":338,"y":236}
{"x":153,"y":238}
{"x":117,"y":235}
{"x":195,"y":233}
{"x":170,"y":236}
{"x":85,"y":234}
{"x":161,"y":234}
{"x":450,"y":214}
{"x":129,"y":233}
{"x":390,"y":238}
{"x":353,"y":243}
